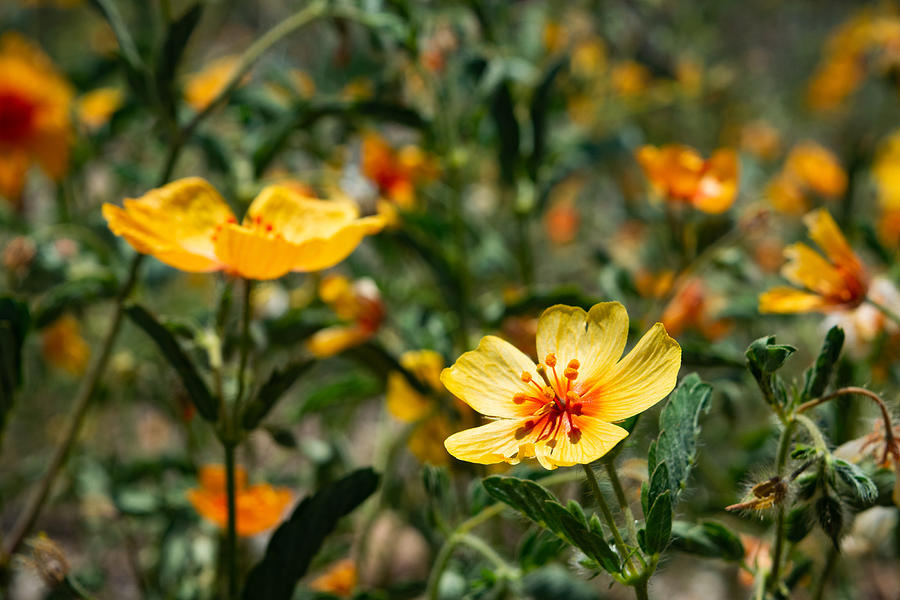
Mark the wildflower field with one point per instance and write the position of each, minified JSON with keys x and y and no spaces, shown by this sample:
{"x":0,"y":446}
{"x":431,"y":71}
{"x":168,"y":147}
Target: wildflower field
{"x":481,"y":300}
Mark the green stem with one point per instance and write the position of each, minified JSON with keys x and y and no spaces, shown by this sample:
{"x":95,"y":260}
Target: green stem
{"x":640,"y":589}
{"x":784,"y":446}
{"x":885,"y":311}
{"x":231,"y":530}
{"x":623,"y":501}
{"x":814,"y":433}
{"x":622,"y":548}
{"x":245,"y":347}
{"x":827,"y":570}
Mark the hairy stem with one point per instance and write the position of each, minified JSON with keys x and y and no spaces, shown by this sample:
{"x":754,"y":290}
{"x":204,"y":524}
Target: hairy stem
{"x":622,"y":548}
{"x":784,"y":446}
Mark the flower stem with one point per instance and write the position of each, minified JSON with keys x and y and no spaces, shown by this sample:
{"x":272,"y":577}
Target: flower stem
{"x":885,"y":310}
{"x":784,"y":446}
{"x":245,"y":347}
{"x":610,"y":521}
{"x":623,"y":501}
{"x":231,"y":530}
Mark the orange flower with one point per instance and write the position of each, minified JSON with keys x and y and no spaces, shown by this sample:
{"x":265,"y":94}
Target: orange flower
{"x":202,"y":87}
{"x":186,"y":224}
{"x":96,"y":107}
{"x":564,"y":416}
{"x":339,"y":579}
{"x":817,"y":168}
{"x":34,"y":115}
{"x":64,"y":347}
{"x":837,"y":282}
{"x":396,"y":173}
{"x":761,"y":139}
{"x":259,"y":507}
{"x":681,"y":175}
{"x":358,"y":303}
{"x":691,"y":308}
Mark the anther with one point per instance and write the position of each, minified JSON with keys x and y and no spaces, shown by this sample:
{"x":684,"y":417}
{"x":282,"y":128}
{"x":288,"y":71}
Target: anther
{"x":520,"y":398}
{"x":526,"y":376}
{"x":550,"y":360}
{"x":571,"y":374}
{"x":574,"y":364}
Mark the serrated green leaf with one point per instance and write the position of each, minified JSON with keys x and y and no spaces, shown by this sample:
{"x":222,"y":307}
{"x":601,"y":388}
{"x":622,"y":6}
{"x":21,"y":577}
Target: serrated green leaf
{"x":172,"y":351}
{"x":817,"y":377}
{"x":271,"y":392}
{"x":659,"y":524}
{"x":659,"y":483}
{"x":298,"y":539}
{"x":577,"y":533}
{"x":707,"y":538}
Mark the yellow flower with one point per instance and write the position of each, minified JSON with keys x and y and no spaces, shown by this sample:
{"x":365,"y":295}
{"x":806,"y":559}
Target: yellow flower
{"x":359,"y":303}
{"x":339,"y":579}
{"x":786,"y":195}
{"x":259,"y":507}
{"x":406,"y":404}
{"x":836,"y":281}
{"x":64,"y":347}
{"x":186,"y":224}
{"x":761,"y":139}
{"x":817,"y":168}
{"x":34,"y":115}
{"x":681,"y":175}
{"x":562,"y":410}
{"x":96,"y":107}
{"x":629,"y":78}
{"x":202,"y":87}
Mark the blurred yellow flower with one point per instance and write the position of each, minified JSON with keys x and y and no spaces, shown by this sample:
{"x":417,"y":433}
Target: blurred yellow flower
{"x":259,"y":507}
{"x":886,"y":172}
{"x":396,"y":172}
{"x":562,"y":416}
{"x":836,"y":281}
{"x":629,"y":78}
{"x":409,"y":406}
{"x":817,"y":168}
{"x":34,"y":115}
{"x":202,"y":87}
{"x":187,"y":225}
{"x":589,"y":58}
{"x":358,"y":303}
{"x":95,"y":108}
{"x":339,"y":579}
{"x":64,"y":347}
{"x":786,"y":195}
{"x":761,"y":139}
{"x":681,"y":175}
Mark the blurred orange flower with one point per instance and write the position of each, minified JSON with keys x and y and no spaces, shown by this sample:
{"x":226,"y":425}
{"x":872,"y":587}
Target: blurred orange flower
{"x":817,"y":168}
{"x":681,"y":175}
{"x":34,"y":115}
{"x":629,"y":78}
{"x":339,"y":579}
{"x":64,"y":347}
{"x":562,"y":417}
{"x":96,"y":107}
{"x":408,"y":405}
{"x":886,"y":171}
{"x":836,"y":281}
{"x":692,"y":307}
{"x":761,"y":139}
{"x":202,"y":87}
{"x":358,"y":303}
{"x":395,"y":172}
{"x":187,"y":225}
{"x":259,"y":507}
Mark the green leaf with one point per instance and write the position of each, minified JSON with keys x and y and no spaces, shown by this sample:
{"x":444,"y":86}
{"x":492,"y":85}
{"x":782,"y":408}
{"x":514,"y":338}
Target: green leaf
{"x":799,"y":522}
{"x":707,"y":538}
{"x":817,"y":376}
{"x":679,"y":424}
{"x":659,"y":484}
{"x":830,"y":517}
{"x":764,"y":357}
{"x":539,"y":505}
{"x":172,"y":351}
{"x":15,"y":321}
{"x":503,"y":113}
{"x":659,"y":524}
{"x":271,"y":391}
{"x":73,"y":294}
{"x":857,"y":486}
{"x":540,"y":104}
{"x":177,"y":36}
{"x":135,"y":70}
{"x":297,"y":540}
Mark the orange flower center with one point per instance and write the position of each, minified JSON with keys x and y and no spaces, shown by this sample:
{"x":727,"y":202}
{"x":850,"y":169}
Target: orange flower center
{"x":556,"y":402}
{"x":16,"y":117}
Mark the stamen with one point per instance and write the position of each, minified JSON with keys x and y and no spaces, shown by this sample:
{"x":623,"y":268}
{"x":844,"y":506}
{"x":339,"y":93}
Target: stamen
{"x":574,"y":364}
{"x":525,"y":376}
{"x":520,"y":398}
{"x":542,"y":371}
{"x":550,"y":360}
{"x":571,"y":374}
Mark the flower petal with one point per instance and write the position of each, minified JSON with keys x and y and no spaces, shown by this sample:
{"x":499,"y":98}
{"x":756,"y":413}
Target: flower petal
{"x":298,"y":217}
{"x":808,"y":268}
{"x":488,"y":377}
{"x":254,"y":254}
{"x":505,"y":440}
{"x":641,"y":379}
{"x":784,"y":299}
{"x":595,"y":338}
{"x":320,"y":253}
{"x":592,"y":439}
{"x":825,"y":232}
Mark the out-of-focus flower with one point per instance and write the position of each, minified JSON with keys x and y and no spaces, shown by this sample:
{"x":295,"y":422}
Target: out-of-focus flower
{"x":651,"y":284}
{"x":64,"y":347}
{"x":817,"y":168}
{"x":339,"y":579}
{"x":410,"y":406}
{"x":630,"y":79}
{"x":436,"y":47}
{"x":837,"y":281}
{"x":18,"y":254}
{"x":884,"y":449}
{"x":96,"y":107}
{"x":864,"y":323}
{"x":562,"y":217}
{"x":757,"y":556}
{"x":886,"y":172}
{"x":555,"y":36}
{"x":186,"y":224}
{"x":761,"y":139}
{"x":833,"y":81}
{"x":681,"y":175}
{"x":358,"y":304}
{"x":563,"y":416}
{"x":202,"y":87}
{"x":35,"y":126}
{"x":692,"y":308}
{"x":589,"y":58}
{"x":689,"y":75}
{"x":358,"y":89}
{"x":786,"y":195}
{"x":259,"y":507}
{"x":396,"y":172}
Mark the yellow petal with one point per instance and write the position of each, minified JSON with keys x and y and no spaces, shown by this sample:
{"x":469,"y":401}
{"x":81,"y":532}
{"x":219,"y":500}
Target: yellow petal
{"x":488,"y":377}
{"x":298,"y":217}
{"x":334,"y":340}
{"x":825,"y":232}
{"x":718,"y":187}
{"x":596,"y":338}
{"x":320,"y":253}
{"x":808,"y":268}
{"x":404,"y":402}
{"x":642,"y":378}
{"x":505,"y":440}
{"x":789,"y":300}
{"x":592,"y":439}
{"x":253,"y":253}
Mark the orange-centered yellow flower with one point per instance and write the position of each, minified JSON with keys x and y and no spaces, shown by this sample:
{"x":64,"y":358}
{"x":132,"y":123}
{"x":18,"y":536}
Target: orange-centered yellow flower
{"x":34,"y":115}
{"x":681,"y":175}
{"x":259,"y":506}
{"x":562,"y":410}
{"x":837,"y":280}
{"x":187,"y":224}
